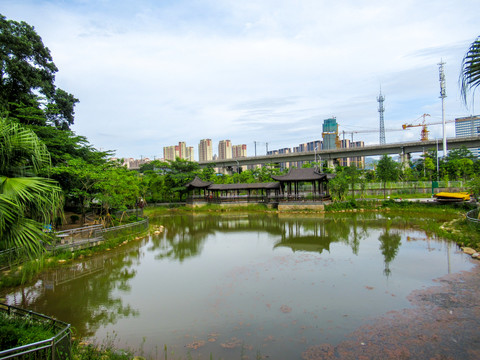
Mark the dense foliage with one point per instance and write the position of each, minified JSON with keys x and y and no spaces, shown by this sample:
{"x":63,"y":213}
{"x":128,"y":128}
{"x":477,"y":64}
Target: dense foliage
{"x":27,"y":201}
{"x":17,"y":331}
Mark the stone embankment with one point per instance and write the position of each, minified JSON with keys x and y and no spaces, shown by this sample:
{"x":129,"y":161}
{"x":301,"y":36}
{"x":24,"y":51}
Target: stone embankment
{"x":472,"y":252}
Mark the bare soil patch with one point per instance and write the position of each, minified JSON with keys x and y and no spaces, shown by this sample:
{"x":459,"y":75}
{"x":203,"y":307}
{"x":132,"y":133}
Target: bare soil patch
{"x":443,"y":324}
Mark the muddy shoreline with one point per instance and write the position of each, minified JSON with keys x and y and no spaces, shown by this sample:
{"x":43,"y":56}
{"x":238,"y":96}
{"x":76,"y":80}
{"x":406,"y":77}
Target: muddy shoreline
{"x":443,"y":324}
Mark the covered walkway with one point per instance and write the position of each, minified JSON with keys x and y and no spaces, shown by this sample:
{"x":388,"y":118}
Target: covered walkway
{"x":293,"y":186}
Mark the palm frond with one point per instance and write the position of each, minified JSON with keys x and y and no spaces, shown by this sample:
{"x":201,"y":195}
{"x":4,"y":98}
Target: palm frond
{"x":27,"y":202}
{"x":26,"y":234}
{"x":470,"y":74}
{"x":20,"y":149}
{"x":35,"y":197}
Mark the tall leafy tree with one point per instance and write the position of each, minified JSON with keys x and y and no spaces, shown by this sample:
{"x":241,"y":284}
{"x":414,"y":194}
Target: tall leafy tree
{"x":27,"y":78}
{"x":353,"y":176}
{"x":387,"y":170}
{"x":80,"y":179}
{"x":339,"y":186}
{"x":180,"y":173}
{"x":470,"y":74}
{"x":118,"y":189}
{"x":27,"y":201}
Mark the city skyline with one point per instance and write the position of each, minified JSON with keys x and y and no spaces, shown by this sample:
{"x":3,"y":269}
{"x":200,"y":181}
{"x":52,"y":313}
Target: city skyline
{"x":149,"y":72}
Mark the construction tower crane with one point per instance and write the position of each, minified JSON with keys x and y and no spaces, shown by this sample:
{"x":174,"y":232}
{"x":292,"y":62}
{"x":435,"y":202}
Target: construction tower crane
{"x":423,"y":124}
{"x":364,"y":132}
{"x":424,"y":133}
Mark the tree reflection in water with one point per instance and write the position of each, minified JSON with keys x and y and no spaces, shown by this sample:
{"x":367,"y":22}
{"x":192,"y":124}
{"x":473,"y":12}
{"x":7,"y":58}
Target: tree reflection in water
{"x":389,"y":245}
{"x":184,"y":235}
{"x":90,"y":293}
{"x":86,"y":297}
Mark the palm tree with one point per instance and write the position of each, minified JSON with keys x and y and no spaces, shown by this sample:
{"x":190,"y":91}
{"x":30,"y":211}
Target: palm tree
{"x":470,"y":75}
{"x":27,"y":201}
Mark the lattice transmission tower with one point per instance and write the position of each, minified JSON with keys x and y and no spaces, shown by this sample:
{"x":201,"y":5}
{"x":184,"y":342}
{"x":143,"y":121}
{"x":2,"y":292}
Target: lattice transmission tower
{"x":381,"y":110}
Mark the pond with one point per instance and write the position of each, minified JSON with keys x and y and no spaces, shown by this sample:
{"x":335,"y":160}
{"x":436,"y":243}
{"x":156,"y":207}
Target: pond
{"x":244,"y":285}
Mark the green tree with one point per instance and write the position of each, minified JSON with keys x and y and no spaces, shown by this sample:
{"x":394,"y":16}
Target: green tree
{"x":264,"y":174}
{"x":387,"y":170}
{"x":207,"y":173}
{"x":430,"y":166}
{"x":81,"y":179}
{"x":474,"y":187}
{"x":339,"y":186}
{"x":155,"y":165}
{"x":27,"y":201}
{"x":180,"y":173}
{"x":118,"y":188}
{"x":459,"y":163}
{"x":353,"y":175}
{"x":154,"y":186}
{"x":27,"y":76}
{"x":470,"y":74}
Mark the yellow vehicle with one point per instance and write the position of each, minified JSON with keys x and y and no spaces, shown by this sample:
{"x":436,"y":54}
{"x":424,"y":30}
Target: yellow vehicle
{"x":452,"y":197}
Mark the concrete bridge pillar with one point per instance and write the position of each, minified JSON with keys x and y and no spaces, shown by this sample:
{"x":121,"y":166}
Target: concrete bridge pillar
{"x":405,"y":159}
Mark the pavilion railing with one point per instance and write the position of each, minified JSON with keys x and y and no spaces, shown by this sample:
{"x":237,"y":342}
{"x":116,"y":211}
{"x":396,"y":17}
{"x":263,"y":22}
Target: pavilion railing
{"x":234,"y":198}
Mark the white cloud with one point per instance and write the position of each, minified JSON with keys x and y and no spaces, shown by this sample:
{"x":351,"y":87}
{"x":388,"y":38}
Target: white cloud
{"x":150,"y":75}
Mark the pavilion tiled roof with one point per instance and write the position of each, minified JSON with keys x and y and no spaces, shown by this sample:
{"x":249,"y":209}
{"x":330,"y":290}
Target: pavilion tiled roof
{"x":306,"y":174}
{"x":198,"y":183}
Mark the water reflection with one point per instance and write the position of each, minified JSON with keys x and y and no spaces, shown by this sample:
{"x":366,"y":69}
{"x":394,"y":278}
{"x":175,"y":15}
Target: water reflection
{"x":90,"y":289}
{"x":389,"y":244}
{"x":297,"y":278}
{"x":184,"y":235}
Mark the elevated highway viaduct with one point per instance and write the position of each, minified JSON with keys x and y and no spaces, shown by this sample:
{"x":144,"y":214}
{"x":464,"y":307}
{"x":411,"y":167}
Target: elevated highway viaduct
{"x":403,"y":149}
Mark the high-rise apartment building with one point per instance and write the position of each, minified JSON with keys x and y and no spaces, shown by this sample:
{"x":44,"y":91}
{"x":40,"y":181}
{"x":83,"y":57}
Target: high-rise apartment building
{"x":283,"y":165}
{"x":239,"y":151}
{"x":314,"y":145}
{"x":178,"y":151}
{"x":358,"y":161}
{"x":205,"y":150}
{"x":300,"y":148}
{"x":468,"y":126}
{"x":189,"y":153}
{"x":224,"y":149}
{"x":170,"y":152}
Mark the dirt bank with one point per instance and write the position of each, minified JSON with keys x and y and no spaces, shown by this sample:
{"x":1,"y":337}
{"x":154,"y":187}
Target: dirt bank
{"x":443,"y":324}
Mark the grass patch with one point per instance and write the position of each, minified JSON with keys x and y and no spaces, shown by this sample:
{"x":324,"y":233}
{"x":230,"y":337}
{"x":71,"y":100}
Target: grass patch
{"x":351,"y":205}
{"x":443,"y":220}
{"x":21,"y":331}
{"x":158,"y":210}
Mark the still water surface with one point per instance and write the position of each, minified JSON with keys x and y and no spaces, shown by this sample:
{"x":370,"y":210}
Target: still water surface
{"x":244,"y":285}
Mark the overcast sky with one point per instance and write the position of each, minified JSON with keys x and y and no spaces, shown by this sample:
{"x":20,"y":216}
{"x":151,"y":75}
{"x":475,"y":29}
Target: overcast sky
{"x":151,"y":73}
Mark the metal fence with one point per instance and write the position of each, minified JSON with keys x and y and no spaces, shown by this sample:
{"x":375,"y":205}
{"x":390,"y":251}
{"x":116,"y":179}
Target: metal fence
{"x":76,"y":239}
{"x":472,"y":218}
{"x":67,"y":237}
{"x":57,"y":347}
{"x":89,"y":236}
{"x":11,"y":257}
{"x":126,"y":229}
